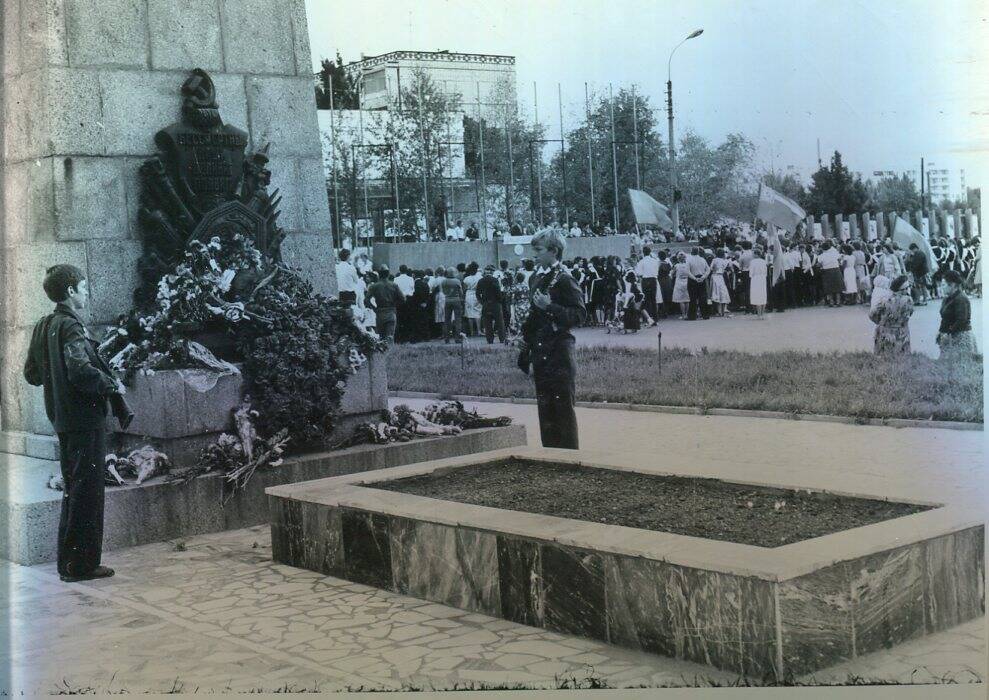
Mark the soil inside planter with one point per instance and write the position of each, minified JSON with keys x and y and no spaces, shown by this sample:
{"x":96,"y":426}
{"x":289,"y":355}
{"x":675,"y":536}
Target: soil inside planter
{"x":709,"y":508}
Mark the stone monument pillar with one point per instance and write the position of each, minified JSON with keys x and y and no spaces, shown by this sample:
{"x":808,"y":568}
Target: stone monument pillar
{"x":86,"y":85}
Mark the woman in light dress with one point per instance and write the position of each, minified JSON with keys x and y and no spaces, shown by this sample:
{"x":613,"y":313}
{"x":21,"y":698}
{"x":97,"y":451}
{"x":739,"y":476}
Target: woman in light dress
{"x":439,"y":299}
{"x":757,"y":282}
{"x":892,"y":318}
{"x":719,"y":289}
{"x":861,"y":272}
{"x":366,"y":314}
{"x":889,"y":264}
{"x":848,"y":274}
{"x":472,"y":306}
{"x":680,"y":294}
{"x":880,"y":291}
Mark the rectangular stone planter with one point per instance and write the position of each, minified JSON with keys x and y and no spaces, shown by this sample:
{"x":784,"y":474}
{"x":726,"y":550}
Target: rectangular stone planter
{"x":763,"y":612}
{"x":159,"y":510}
{"x":179,"y":420}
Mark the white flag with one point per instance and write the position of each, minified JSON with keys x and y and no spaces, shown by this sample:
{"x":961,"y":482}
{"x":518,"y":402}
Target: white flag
{"x":776,"y":209}
{"x":648,"y":211}
{"x":904,"y":234}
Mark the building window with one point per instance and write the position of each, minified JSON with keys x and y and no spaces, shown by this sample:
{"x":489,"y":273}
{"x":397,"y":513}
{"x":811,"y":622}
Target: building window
{"x":374,"y":82}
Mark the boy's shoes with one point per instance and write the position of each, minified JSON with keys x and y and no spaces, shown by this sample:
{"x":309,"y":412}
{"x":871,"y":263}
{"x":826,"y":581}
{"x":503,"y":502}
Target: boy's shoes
{"x":98,"y":572}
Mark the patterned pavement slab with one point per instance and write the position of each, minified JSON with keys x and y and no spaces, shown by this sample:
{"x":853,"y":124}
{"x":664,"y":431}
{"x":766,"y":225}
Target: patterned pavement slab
{"x":216,"y":614}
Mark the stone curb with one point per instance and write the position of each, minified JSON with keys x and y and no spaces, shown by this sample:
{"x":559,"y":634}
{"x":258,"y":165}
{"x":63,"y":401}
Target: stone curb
{"x":698,"y":411}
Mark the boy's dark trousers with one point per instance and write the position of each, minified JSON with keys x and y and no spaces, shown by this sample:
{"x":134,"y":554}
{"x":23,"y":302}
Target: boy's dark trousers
{"x":555,"y":380}
{"x":80,"y":527}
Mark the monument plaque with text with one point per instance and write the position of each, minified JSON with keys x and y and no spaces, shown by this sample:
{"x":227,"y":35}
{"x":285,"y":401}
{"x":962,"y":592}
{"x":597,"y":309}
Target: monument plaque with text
{"x":200,"y":185}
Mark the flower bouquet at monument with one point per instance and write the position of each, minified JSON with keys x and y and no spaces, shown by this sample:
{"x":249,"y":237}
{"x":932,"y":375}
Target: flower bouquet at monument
{"x":295,"y":347}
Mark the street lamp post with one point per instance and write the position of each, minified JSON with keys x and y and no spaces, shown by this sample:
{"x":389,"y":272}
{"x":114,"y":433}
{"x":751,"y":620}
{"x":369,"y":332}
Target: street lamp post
{"x":669,"y":114}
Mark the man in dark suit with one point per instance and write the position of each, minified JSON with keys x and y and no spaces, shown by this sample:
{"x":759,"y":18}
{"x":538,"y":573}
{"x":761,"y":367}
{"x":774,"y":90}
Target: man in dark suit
{"x":78,"y":385}
{"x":507,"y":279}
{"x":420,"y":308}
{"x":548,"y":345}
{"x":489,"y":294}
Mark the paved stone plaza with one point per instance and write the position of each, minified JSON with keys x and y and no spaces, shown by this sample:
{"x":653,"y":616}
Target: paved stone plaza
{"x":818,"y":329}
{"x":216,"y":613}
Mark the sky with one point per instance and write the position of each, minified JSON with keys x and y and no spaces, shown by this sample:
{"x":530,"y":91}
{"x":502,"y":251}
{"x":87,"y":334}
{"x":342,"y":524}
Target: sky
{"x":885,"y":82}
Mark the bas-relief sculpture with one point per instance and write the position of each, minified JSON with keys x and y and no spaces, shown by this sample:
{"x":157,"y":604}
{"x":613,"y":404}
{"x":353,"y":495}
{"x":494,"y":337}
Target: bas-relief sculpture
{"x":201,"y":184}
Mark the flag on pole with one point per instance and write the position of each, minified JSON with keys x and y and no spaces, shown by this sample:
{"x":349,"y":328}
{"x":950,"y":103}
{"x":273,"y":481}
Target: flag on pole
{"x":904,"y":234}
{"x":776,"y":209}
{"x":648,"y":211}
{"x":774,"y":240}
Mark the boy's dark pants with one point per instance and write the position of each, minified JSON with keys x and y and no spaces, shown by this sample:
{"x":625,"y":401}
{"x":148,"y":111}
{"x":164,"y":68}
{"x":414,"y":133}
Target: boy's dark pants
{"x":80,"y":528}
{"x":555,"y":381}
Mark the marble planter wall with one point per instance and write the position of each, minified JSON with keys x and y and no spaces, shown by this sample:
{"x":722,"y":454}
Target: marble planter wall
{"x":758,"y":625}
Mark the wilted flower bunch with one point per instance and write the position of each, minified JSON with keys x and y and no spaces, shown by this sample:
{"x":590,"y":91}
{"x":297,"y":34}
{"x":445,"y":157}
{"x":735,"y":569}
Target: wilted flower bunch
{"x":296,"y":347}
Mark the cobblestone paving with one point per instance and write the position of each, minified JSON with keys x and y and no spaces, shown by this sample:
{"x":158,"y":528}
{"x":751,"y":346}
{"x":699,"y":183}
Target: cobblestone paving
{"x":220,"y":615}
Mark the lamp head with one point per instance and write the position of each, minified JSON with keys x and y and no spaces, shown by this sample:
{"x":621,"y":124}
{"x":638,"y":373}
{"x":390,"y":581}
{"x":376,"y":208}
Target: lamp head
{"x":696,"y":34}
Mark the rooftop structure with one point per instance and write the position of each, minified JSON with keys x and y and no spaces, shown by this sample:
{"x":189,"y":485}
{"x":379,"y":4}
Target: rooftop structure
{"x":463,"y":75}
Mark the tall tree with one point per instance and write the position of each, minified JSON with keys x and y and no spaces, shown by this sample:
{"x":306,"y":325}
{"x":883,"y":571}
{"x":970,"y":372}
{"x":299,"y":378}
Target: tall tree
{"x":418,"y":133}
{"x":893,"y":194}
{"x":633,"y":117}
{"x":344,"y":87}
{"x":713,"y":180}
{"x":787,"y":184}
{"x":503,"y":166}
{"x":834,"y":190}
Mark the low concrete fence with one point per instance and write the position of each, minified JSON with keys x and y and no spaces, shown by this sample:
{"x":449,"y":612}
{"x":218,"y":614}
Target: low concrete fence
{"x":419,"y":256}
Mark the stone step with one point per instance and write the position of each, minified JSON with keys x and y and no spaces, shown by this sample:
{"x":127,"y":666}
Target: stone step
{"x":29,"y":444}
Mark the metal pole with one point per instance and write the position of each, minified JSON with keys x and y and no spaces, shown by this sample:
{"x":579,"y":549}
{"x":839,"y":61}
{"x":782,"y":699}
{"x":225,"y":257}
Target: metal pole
{"x":360,"y":118}
{"x":669,"y":98}
{"x":484,"y":187}
{"x":539,"y":152}
{"x":532,"y":184}
{"x":449,"y":166}
{"x":333,"y":159}
{"x":510,"y":189}
{"x":659,"y":352}
{"x":590,"y":159}
{"x":398,"y":207}
{"x":635,"y":138}
{"x":563,"y":159}
{"x":673,"y":165}
{"x":923,"y":201}
{"x":614,"y":156}
{"x":425,"y":150}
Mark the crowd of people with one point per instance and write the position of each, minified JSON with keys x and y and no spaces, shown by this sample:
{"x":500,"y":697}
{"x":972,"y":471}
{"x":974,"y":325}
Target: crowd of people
{"x":726,"y":272}
{"x":460,"y":231}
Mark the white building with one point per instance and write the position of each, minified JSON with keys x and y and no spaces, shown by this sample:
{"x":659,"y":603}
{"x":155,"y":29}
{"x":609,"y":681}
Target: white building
{"x":462,"y":75}
{"x":940,"y":182}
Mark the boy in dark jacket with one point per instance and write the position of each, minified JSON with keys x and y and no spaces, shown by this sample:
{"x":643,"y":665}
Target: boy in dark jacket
{"x":78,"y":384}
{"x":548,"y":344}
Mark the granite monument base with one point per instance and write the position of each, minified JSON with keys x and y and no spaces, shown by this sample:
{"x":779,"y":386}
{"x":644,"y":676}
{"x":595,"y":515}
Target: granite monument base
{"x":159,"y":510}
